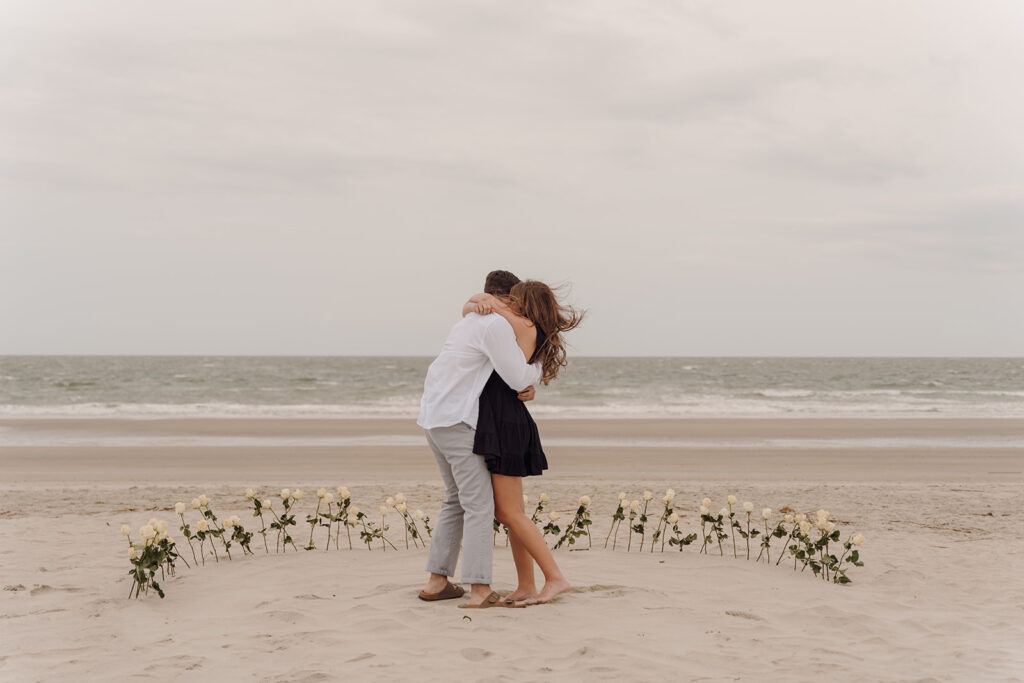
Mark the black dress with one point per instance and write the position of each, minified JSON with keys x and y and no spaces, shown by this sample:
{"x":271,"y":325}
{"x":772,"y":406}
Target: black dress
{"x":506,"y":434}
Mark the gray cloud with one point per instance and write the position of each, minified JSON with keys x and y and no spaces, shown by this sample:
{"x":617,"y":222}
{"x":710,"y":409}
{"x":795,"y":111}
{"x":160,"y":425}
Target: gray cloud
{"x":299,"y":165}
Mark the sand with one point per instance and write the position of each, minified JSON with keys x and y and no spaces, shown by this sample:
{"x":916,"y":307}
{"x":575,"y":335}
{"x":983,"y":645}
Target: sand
{"x":940,"y":598}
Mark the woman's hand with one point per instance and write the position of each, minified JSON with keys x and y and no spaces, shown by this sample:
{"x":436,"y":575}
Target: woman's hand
{"x":483,"y":304}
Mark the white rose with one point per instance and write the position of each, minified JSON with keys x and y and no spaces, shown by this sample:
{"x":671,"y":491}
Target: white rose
{"x":286,"y":493}
{"x":748,"y":507}
{"x":250,"y":493}
{"x":670,"y":492}
{"x":390,"y":502}
{"x":805,"y":527}
{"x":133,"y":553}
{"x":788,"y":519}
{"x":543,"y":497}
{"x":343,"y":493}
{"x":724,"y":512}
{"x":399,"y":497}
{"x":635,"y":506}
{"x":673,"y":518}
{"x":622,"y":495}
{"x":235,"y":520}
{"x":383,"y":511}
{"x":401,"y":507}
{"x":228,"y":523}
{"x":830,"y":527}
{"x":858,"y":540}
{"x":731,"y":500}
{"x":553,"y":515}
{"x":418,"y":514}
{"x":125,"y":530}
{"x":801,"y":517}
{"x":822,"y":514}
{"x":668,"y":498}
{"x":766,"y":514}
{"x":321,"y":492}
{"x":648,"y":496}
{"x":267,"y":503}
{"x":160,"y":537}
{"x":706,"y":503}
{"x":202,"y":526}
{"x":160,"y":526}
{"x":298,"y":494}
{"x":147,"y":531}
{"x":328,"y":497}
{"x":203,"y":500}
{"x":179,"y":508}
{"x":195,"y":503}
{"x":704,"y":509}
{"x":354,"y":511}
{"x":152,"y":522}
{"x":821,"y":524}
{"x":585,"y":501}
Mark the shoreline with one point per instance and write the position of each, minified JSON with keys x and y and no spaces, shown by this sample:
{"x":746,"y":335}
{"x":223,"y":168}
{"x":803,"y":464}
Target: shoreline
{"x":711,"y":451}
{"x":550,"y":426}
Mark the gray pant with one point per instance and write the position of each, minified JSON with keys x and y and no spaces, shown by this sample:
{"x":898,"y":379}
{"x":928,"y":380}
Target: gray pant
{"x":467,"y":514}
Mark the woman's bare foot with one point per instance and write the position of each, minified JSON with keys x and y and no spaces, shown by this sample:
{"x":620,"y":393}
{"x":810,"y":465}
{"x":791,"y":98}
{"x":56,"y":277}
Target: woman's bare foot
{"x":547,"y":594}
{"x":520,"y":594}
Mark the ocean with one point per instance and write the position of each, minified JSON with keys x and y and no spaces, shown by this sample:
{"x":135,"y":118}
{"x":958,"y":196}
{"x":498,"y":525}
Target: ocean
{"x":366,"y":387}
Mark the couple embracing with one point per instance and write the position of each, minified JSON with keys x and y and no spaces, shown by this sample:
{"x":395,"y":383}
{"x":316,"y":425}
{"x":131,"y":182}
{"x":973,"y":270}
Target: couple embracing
{"x":485,"y":441}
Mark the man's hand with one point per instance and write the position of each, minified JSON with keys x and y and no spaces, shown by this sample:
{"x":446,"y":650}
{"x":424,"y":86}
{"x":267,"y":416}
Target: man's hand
{"x":527,"y":394}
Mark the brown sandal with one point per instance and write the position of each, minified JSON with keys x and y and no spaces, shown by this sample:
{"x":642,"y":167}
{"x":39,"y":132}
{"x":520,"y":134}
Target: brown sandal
{"x":449,"y":592}
{"x":492,"y":600}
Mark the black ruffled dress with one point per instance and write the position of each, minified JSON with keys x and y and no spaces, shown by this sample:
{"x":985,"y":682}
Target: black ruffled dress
{"x":506,"y":434}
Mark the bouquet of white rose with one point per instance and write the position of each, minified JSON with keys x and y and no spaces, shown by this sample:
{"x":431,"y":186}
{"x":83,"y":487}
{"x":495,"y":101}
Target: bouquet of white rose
{"x":661,"y":530}
{"x":578,"y":526}
{"x":617,"y":518}
{"x":552,"y":528}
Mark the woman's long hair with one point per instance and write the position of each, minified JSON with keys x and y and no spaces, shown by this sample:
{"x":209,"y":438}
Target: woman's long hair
{"x":539,"y":303}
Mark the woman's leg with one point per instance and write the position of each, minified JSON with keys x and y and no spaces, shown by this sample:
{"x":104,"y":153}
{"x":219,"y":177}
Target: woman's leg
{"x":527,"y":587}
{"x":508,"y":507}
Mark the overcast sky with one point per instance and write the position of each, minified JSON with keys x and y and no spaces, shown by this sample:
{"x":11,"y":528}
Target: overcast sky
{"x":743,"y":178}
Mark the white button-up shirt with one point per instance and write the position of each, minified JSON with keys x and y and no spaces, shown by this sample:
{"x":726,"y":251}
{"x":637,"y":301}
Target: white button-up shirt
{"x":476,"y":345}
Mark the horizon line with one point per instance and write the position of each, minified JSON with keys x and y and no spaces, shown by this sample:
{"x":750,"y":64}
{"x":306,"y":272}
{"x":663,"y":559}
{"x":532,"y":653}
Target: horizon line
{"x":330,"y":355}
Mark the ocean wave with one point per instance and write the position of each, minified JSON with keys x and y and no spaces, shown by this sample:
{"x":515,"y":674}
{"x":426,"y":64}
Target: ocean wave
{"x":784,"y":393}
{"x":65,"y":440}
{"x":707,"y":406}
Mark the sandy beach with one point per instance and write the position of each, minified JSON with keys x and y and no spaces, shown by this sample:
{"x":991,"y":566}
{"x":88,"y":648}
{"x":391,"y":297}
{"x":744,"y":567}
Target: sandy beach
{"x":940,"y":598}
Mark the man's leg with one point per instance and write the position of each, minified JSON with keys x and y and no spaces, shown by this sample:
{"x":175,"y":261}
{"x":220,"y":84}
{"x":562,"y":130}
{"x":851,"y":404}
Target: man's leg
{"x":447,"y":538}
{"x":476,"y":498}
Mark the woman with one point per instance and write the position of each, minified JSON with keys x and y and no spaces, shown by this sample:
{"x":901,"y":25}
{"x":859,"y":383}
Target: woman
{"x":507,"y":436}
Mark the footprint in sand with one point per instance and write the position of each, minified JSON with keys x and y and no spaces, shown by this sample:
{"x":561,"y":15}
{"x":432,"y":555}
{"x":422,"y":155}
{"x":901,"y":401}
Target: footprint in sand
{"x":475,"y":654}
{"x":744,"y":615}
{"x":44,"y":588}
{"x":610,"y":591}
{"x":365,"y":655}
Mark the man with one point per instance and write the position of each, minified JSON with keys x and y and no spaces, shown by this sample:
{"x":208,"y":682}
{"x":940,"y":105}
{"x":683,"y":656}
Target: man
{"x":476,"y":346}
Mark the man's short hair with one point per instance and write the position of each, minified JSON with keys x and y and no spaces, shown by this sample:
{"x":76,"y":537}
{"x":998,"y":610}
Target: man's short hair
{"x":500,"y":282}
